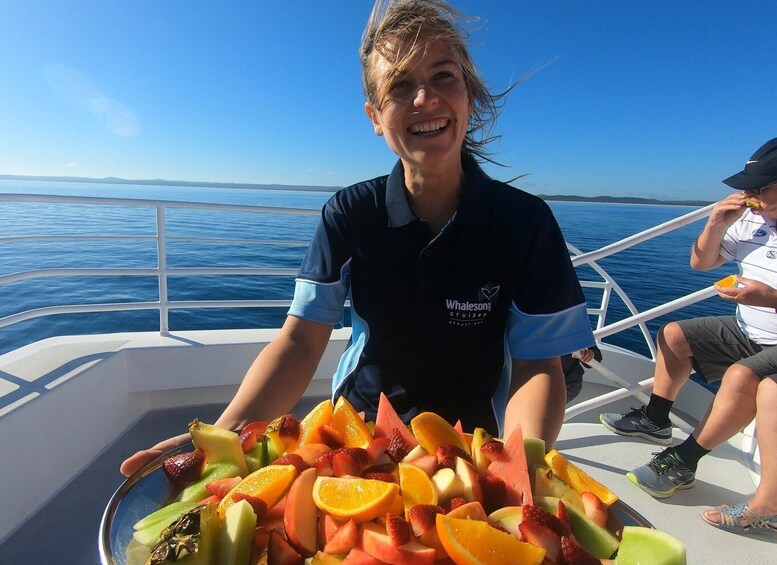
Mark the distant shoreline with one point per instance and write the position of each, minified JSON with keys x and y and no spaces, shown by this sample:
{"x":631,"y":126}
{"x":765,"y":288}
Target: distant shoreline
{"x":205,"y":184}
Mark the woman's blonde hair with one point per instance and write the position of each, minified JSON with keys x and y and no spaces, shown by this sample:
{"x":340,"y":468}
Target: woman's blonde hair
{"x":399,"y":30}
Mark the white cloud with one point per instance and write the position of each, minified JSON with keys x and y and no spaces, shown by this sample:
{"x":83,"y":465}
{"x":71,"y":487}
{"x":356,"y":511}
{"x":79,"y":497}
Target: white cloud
{"x":82,"y":93}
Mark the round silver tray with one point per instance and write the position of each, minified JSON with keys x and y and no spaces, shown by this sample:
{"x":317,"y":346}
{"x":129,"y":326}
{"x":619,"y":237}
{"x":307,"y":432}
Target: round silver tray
{"x":148,"y":489}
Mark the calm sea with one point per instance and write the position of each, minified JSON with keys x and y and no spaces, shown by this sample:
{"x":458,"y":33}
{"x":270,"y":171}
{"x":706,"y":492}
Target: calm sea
{"x":651,"y":273}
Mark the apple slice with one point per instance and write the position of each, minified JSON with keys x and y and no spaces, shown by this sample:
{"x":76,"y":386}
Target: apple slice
{"x":509,"y":517}
{"x":300,"y":514}
{"x":470,"y":479}
{"x":377,"y":543}
{"x":448,"y":484}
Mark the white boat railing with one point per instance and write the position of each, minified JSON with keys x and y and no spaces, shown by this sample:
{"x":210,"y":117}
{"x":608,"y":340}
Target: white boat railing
{"x":162,"y":272}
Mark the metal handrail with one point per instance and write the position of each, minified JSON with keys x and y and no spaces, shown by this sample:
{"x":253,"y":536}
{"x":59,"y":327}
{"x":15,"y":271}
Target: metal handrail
{"x":162,"y":272}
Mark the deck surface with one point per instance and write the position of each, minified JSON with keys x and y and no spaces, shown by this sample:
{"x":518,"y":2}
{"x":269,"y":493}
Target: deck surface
{"x":66,"y":530}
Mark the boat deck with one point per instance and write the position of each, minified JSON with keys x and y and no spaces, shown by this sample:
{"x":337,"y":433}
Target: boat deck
{"x":66,"y":529}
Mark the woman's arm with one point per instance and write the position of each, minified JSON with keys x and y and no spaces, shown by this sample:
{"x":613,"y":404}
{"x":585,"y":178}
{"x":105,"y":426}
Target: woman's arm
{"x":280,"y":374}
{"x":273,"y":384}
{"x":538,"y":398}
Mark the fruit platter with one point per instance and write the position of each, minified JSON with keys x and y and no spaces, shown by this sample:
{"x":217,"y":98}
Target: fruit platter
{"x":334,"y":489}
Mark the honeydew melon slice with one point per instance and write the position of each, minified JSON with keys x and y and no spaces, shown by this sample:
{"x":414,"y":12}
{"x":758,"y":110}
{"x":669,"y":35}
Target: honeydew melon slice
{"x":592,"y":537}
{"x":646,"y":545}
{"x":169,"y":513}
{"x":237,"y":532}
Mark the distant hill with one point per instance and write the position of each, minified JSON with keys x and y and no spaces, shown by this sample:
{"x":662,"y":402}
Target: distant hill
{"x":162,"y":182}
{"x":622,"y":200}
{"x":185,"y":183}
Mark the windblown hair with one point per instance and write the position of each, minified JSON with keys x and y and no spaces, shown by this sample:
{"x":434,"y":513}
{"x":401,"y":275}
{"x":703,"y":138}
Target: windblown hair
{"x":399,"y":30}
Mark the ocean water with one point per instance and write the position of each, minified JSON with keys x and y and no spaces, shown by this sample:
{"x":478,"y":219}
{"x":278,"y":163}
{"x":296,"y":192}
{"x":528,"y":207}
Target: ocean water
{"x":650,"y":273}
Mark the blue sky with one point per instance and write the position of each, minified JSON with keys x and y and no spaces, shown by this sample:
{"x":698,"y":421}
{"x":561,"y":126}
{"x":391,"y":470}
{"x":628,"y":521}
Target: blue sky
{"x":659,"y":98}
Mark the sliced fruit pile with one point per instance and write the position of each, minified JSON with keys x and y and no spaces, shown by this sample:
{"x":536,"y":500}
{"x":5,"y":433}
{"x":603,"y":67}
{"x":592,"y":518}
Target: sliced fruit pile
{"x":334,"y":489}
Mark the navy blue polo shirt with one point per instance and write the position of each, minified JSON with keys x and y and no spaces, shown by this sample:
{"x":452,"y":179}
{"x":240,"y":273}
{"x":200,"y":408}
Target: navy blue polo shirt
{"x":436,"y":318}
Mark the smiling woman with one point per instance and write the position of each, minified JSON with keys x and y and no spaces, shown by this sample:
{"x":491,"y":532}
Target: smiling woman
{"x":412,"y":246}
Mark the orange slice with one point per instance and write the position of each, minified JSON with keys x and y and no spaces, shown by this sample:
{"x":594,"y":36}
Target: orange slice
{"x":577,"y":478}
{"x":308,"y":427}
{"x":348,"y":422}
{"x":416,"y":486}
{"x":476,"y":542}
{"x":264,"y":487}
{"x":432,"y":430}
{"x":351,"y":498}
{"x":727,"y":282}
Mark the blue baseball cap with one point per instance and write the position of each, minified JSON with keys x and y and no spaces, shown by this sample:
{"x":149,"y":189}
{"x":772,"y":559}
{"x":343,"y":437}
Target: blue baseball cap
{"x":760,"y":170}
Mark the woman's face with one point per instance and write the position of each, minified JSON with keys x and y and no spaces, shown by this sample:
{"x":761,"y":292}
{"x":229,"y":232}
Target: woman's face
{"x":425,"y":107}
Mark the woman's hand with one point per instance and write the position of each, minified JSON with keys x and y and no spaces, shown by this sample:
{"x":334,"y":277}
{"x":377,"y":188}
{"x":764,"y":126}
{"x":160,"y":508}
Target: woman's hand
{"x":142,"y":458}
{"x":751,"y":293}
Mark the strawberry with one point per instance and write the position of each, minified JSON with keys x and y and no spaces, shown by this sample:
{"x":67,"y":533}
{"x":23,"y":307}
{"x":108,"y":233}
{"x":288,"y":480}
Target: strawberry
{"x":345,"y":538}
{"x":563,"y":514}
{"x":397,"y":529}
{"x":544,"y":518}
{"x":330,"y":436}
{"x":288,"y":428}
{"x":384,"y":468}
{"x":377,"y":448}
{"x":492,"y":450}
{"x":343,"y":464}
{"x":446,"y":455}
{"x":280,"y":552}
{"x":385,"y":477}
{"x":250,"y":435}
{"x":398,"y":446}
{"x":292,"y":459}
{"x":259,"y":505}
{"x":594,"y":508}
{"x":573,"y":554}
{"x":359,"y":454}
{"x":455,"y":502}
{"x":493,"y":489}
{"x":539,"y":535}
{"x":184,"y":467}
{"x":422,"y":517}
{"x":323,"y":464}
{"x":220,"y":487}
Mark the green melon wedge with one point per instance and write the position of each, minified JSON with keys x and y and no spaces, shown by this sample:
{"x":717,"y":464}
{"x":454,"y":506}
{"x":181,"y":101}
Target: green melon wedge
{"x":168,"y":513}
{"x":236,"y":536}
{"x":592,"y":537}
{"x":646,"y":545}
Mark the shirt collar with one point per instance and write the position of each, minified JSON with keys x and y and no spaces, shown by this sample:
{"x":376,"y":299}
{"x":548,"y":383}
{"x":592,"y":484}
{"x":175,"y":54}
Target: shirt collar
{"x":473,"y":208}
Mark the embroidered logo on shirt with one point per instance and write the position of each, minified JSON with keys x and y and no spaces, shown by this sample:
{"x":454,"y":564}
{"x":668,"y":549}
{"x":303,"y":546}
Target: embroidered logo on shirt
{"x":472,"y":313}
{"x":771,"y":254}
{"x":760,"y":232}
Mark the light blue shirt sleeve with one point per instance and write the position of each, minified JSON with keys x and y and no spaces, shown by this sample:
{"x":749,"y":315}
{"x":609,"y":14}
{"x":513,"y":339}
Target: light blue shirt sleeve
{"x":542,"y":336}
{"x":321,"y":302}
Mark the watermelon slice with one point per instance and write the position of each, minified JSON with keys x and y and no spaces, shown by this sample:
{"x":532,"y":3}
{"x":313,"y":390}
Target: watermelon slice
{"x":388,"y":419}
{"x":512,"y":468}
